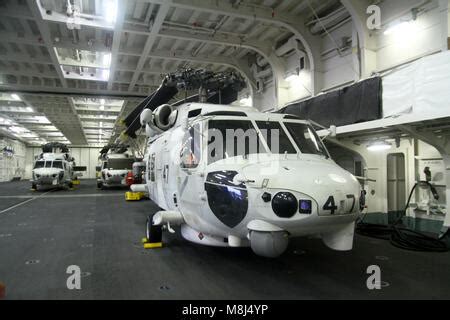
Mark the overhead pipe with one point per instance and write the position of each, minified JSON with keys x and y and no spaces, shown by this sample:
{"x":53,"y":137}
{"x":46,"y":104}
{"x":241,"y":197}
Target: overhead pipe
{"x":317,"y":26}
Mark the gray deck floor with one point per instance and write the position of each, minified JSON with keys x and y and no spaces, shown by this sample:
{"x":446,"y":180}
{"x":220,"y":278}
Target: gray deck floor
{"x":100,"y":232}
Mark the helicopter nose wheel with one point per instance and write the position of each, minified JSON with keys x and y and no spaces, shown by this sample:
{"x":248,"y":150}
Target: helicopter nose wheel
{"x":153,"y":234}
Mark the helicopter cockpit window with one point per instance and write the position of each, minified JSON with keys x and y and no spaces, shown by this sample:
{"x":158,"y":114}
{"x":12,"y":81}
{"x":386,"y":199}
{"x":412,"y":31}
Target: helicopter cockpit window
{"x":57,"y":164}
{"x":48,"y":164}
{"x":306,"y":138}
{"x":120,"y":164}
{"x":276,"y":138}
{"x":191,"y":148}
{"x":232,"y":138}
{"x":39,"y":164}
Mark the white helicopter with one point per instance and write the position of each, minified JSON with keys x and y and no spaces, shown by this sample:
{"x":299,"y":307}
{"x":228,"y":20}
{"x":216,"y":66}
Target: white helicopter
{"x":271,"y":181}
{"x":55,"y":168}
{"x":115,"y":165}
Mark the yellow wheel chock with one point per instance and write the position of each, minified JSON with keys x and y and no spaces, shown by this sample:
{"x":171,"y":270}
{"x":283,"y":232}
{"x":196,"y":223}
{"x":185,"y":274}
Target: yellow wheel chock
{"x":149,"y":245}
{"x":134,"y":196}
{"x":153,"y":245}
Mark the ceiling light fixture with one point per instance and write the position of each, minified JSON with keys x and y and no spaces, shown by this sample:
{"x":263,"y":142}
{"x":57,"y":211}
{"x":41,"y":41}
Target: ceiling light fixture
{"x":379,"y":146}
{"x":292,"y":77}
{"x":110,"y":8}
{"x":107,"y":60}
{"x":398,"y":28}
{"x":105,"y":74}
{"x":246,"y":101}
{"x":15,"y":97}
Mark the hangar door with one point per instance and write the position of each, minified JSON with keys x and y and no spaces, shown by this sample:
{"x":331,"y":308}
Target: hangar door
{"x":396,"y":182}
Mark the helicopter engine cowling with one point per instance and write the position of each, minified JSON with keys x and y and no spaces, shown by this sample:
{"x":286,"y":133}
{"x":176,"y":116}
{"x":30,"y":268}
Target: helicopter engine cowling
{"x":164,"y":117}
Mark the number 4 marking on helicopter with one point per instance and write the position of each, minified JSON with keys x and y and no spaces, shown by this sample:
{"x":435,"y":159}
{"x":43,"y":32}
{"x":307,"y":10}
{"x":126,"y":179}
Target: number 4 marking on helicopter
{"x":330,"y":205}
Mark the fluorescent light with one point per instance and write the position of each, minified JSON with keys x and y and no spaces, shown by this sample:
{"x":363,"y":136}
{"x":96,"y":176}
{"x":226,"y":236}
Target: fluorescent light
{"x":41,"y":119}
{"x":292,"y":78}
{"x":28,"y":135}
{"x":400,"y":27}
{"x":246,"y":101}
{"x":29,"y":109}
{"x":105,"y":74}
{"x":379,"y":146}
{"x":6,"y":121}
{"x":17,"y":129}
{"x":110,"y":7}
{"x":15,"y":97}
{"x":107,"y":59}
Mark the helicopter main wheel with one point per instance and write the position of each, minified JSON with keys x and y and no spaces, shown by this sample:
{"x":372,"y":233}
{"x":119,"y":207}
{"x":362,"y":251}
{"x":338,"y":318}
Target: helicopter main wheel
{"x":100,"y":185}
{"x":153,"y":233}
{"x":70,"y":185}
{"x":34,"y":186}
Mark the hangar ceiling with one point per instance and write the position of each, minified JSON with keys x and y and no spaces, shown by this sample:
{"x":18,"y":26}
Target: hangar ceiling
{"x":70,"y":69}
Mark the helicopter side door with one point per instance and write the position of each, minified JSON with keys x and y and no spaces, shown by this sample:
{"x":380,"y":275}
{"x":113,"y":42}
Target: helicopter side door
{"x":191,"y":172}
{"x":166,"y":172}
{"x":158,"y":148}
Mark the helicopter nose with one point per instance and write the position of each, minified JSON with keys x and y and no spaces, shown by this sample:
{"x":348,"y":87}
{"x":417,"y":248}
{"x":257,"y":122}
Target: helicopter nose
{"x":306,"y":187}
{"x":297,"y":174}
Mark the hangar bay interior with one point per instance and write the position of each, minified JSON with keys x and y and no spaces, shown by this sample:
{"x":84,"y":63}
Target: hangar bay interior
{"x":98,"y":99}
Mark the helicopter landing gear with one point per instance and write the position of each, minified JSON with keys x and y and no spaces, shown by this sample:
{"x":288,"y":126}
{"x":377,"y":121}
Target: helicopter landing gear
{"x":153,"y":235}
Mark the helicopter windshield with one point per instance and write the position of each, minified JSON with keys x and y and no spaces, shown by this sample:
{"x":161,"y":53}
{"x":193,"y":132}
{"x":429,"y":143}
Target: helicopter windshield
{"x":276,"y":138}
{"x":57,"y":164}
{"x":120,"y":164}
{"x":39,"y":164}
{"x":231,"y":138}
{"x":306,"y":138}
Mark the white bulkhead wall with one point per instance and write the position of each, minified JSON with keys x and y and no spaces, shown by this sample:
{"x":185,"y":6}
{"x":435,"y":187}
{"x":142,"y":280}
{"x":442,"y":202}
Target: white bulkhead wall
{"x":12,"y":164}
{"x":417,"y":156}
{"x":428,"y":34}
